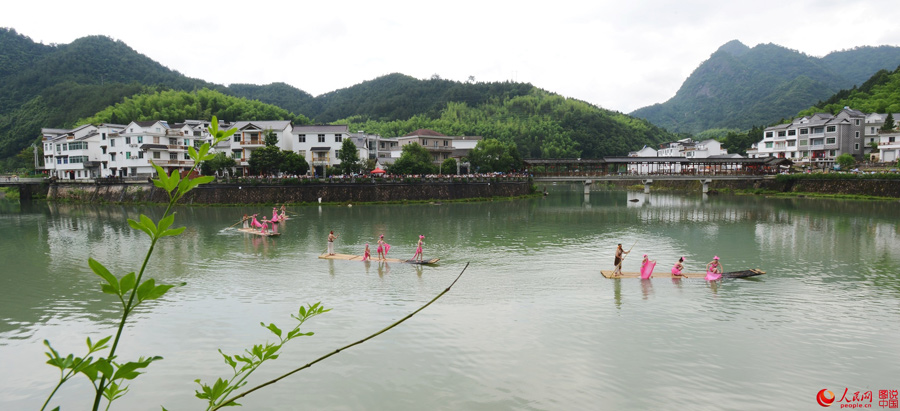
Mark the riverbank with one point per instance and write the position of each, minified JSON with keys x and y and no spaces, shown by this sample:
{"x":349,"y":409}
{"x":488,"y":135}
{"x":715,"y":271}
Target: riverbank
{"x":850,"y":187}
{"x":355,"y":192}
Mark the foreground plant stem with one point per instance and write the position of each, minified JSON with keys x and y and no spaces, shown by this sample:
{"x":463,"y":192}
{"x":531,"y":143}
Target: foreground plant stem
{"x":273,"y":381}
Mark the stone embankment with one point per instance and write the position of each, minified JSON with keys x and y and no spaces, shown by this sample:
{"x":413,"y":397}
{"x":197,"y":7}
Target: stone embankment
{"x":343,"y":192}
{"x":876,"y":187}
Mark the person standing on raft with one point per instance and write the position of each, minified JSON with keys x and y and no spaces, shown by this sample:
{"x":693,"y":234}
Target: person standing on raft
{"x":418,"y":256}
{"x":331,"y":237}
{"x":714,"y":270}
{"x":676,"y":269}
{"x":620,"y":254}
{"x":647,"y":267}
{"x":382,"y":248}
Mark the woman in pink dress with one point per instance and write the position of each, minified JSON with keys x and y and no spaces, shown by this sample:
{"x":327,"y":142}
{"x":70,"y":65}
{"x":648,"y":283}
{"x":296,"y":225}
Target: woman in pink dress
{"x":418,"y":256}
{"x":380,"y":248}
{"x":714,"y":270}
{"x":265,"y":226}
{"x":366,"y":254}
{"x":274,"y":215}
{"x":255,"y":223}
{"x":647,"y":267}
{"x":676,"y":269}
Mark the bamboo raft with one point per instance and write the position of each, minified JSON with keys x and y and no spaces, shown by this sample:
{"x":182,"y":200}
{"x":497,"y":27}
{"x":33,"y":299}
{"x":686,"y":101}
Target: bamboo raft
{"x":732,"y":274}
{"x":257,"y":232}
{"x":350,"y":257}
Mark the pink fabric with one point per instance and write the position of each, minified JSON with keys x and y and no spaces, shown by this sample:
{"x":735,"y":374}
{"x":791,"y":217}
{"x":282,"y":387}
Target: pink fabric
{"x":255,"y":223}
{"x":711,"y":276}
{"x":647,"y":269}
{"x":675,"y":270}
{"x":387,"y":247}
{"x":366,"y":256}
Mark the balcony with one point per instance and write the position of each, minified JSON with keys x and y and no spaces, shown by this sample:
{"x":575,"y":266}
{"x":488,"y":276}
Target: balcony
{"x":252,"y":143}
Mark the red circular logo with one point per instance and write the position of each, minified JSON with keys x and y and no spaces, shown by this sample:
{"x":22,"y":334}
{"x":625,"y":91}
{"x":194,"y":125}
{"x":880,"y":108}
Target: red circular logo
{"x":823,"y":399}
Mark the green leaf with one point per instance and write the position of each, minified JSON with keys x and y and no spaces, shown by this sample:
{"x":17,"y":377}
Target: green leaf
{"x":145,"y":289}
{"x":100,"y":270}
{"x":99,"y":345}
{"x":166,"y":222}
{"x":173,"y":232}
{"x":275,"y":330}
{"x":138,"y":226}
{"x":127,"y":282}
{"x":149,"y":224}
{"x":158,"y":291}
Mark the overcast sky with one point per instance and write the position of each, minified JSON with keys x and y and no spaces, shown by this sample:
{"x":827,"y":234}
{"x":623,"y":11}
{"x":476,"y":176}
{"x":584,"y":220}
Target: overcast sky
{"x":620,"y":55}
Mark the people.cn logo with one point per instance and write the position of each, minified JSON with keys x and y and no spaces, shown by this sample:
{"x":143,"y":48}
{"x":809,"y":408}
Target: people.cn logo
{"x":823,"y":399}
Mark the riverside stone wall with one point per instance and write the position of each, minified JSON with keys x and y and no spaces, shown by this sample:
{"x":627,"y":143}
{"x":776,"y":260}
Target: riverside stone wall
{"x":879,"y":188}
{"x":279,"y":194}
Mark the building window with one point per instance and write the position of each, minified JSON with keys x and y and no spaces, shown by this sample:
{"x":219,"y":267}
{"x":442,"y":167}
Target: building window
{"x":321,"y":138}
{"x":127,"y":140}
{"x":857,"y":122}
{"x":302,"y":153}
{"x":768,"y":134}
{"x":804,"y":131}
{"x":173,"y":156}
{"x":187,"y":142}
{"x":112,"y":156}
{"x":302,"y":138}
{"x":830,"y":129}
{"x":781,"y":134}
{"x":856,"y":146}
{"x":127,"y":155}
{"x":792,"y":132}
{"x":103,"y":149}
{"x":857,"y":134}
{"x":187,"y":156}
{"x":871,"y":130}
{"x":337,"y":153}
{"x":768,"y":144}
{"x":446,"y":143}
{"x":830,"y":140}
{"x":338,"y":138}
{"x":140,"y":139}
{"x":140,"y":154}
{"x":832,"y":153}
{"x":236,"y":155}
{"x":112,"y":142}
{"x":791,"y":143}
{"x":237,"y":138}
{"x":156,"y":155}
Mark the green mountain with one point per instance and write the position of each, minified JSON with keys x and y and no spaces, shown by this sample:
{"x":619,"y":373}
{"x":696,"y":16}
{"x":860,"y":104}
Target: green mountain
{"x":96,"y":78}
{"x":738,"y":86}
{"x":879,"y":94}
{"x":55,"y":85}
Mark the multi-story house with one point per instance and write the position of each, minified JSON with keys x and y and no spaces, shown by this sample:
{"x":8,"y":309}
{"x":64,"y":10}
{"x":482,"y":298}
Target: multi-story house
{"x":320,"y":145}
{"x":72,"y":154}
{"x":251,"y":135}
{"x":440,"y":146}
{"x":889,"y":147}
{"x":132,"y":150}
{"x":817,"y":139}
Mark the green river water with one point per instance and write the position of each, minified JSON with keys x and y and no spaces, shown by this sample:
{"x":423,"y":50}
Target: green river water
{"x":531,"y":325}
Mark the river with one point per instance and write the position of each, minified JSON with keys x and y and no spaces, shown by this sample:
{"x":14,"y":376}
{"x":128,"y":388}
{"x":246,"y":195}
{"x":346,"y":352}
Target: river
{"x":531,"y":325}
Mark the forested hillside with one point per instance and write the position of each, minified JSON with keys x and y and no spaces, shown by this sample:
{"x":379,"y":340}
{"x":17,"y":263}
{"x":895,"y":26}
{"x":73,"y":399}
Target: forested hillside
{"x":542,"y":124}
{"x":175,"y":106}
{"x":98,"y":79}
{"x":879,"y":94}
{"x":55,"y":85}
{"x":739,"y":87}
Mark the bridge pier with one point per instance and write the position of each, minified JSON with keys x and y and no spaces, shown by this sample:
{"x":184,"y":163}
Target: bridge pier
{"x":647,"y":184}
{"x":705,"y":182}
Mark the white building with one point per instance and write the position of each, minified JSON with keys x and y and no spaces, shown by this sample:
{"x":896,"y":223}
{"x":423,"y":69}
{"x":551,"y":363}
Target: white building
{"x":77,"y":153}
{"x":817,"y":139}
{"x":251,"y":135}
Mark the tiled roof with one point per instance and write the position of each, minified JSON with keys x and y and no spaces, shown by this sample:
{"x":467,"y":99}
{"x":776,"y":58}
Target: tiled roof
{"x":321,"y":128}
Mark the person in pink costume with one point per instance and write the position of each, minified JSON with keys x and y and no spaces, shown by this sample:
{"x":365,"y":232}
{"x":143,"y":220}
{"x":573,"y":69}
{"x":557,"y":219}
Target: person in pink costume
{"x":676,"y":269}
{"x":418,"y":256}
{"x":274,"y":215}
{"x":265,"y":226}
{"x":366,"y":254}
{"x":255,"y":223}
{"x":714,"y":270}
{"x":647,"y":267}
